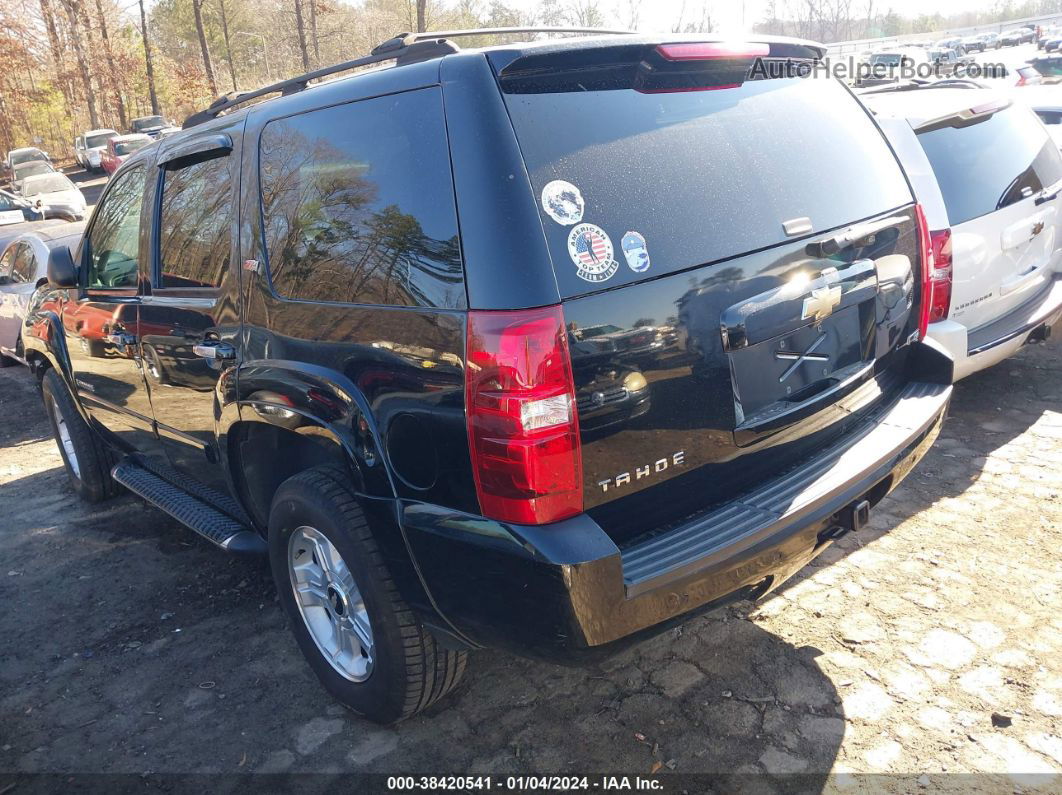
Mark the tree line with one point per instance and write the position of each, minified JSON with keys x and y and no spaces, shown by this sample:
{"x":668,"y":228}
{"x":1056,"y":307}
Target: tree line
{"x":67,"y":66}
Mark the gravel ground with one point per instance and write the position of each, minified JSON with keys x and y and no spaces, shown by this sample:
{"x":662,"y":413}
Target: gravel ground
{"x":129,"y":645}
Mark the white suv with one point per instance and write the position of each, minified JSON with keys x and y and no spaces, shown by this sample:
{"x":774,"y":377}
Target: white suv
{"x":89,"y":146}
{"x":988,"y":177}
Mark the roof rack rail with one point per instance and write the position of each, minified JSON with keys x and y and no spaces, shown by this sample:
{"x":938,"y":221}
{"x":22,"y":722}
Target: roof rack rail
{"x":404,"y":53}
{"x":404,"y":48}
{"x":406,"y":39}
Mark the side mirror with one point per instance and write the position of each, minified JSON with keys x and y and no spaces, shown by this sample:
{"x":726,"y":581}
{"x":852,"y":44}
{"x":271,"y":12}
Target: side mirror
{"x":62,"y":273}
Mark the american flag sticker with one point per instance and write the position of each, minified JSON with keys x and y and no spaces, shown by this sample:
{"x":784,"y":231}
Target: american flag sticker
{"x":591,"y":251}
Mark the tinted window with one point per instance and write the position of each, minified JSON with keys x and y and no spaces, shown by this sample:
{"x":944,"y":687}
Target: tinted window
{"x":991,"y":164}
{"x":99,"y":140}
{"x":128,"y":147}
{"x":676,"y":180}
{"x":1050,"y":116}
{"x":358,"y":204}
{"x":113,"y":241}
{"x":147,"y":122}
{"x":195,"y":232}
{"x":25,"y":267}
{"x":25,"y":155}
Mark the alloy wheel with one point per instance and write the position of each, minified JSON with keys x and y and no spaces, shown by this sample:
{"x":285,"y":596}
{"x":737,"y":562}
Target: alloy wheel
{"x":330,"y":603}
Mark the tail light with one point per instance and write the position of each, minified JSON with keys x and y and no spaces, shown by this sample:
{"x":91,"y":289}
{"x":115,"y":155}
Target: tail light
{"x":940,"y":277}
{"x":935,"y":251}
{"x":523,"y":430}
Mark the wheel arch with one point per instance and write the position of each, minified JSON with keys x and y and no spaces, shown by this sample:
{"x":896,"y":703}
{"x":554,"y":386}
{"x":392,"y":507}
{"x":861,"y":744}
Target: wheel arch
{"x":293,"y":416}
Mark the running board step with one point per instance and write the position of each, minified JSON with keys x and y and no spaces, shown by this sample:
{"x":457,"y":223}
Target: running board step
{"x":213,"y":525}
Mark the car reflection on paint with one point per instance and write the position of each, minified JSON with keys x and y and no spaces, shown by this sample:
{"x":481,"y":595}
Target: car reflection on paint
{"x":641,"y":345}
{"x":607,"y":393}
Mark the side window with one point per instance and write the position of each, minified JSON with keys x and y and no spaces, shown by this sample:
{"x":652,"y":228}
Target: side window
{"x":6,"y":262}
{"x":114,"y":239}
{"x":358,"y":204}
{"x":195,"y":237}
{"x":25,"y":265}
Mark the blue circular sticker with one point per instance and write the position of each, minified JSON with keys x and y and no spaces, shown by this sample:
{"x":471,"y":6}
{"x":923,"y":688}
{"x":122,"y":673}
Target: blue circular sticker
{"x":635,"y":252}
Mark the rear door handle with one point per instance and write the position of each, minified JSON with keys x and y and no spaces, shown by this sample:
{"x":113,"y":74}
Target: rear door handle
{"x":214,"y":350}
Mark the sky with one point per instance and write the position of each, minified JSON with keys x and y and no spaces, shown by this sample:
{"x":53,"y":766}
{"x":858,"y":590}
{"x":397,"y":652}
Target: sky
{"x":727,"y":15}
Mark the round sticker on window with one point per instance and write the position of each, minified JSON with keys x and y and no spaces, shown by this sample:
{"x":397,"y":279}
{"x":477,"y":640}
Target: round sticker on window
{"x":635,"y":252}
{"x":563,"y":202}
{"x":591,"y":251}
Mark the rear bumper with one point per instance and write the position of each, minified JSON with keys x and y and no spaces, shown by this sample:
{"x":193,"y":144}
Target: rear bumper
{"x":566,"y":592}
{"x":976,"y":350}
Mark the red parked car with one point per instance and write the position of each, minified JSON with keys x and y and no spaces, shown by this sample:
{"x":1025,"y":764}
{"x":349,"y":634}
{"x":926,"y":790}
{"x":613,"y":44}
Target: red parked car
{"x":119,"y":148}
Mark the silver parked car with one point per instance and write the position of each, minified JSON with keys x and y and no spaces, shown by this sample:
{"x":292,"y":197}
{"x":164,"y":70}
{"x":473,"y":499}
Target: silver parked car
{"x":23,"y":268}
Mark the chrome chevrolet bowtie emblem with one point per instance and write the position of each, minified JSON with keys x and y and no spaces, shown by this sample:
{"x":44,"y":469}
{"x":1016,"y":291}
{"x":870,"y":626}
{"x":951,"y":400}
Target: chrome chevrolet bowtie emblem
{"x":798,"y":359}
{"x":823,"y":300}
{"x":821,"y":303}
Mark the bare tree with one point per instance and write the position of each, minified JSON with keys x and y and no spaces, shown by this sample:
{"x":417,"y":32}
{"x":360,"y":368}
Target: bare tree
{"x":197,"y":8}
{"x":632,"y":12}
{"x":112,"y":76}
{"x":585,"y":13}
{"x":422,"y":13}
{"x":48,"y":15}
{"x":313,"y":33}
{"x":228,"y":44}
{"x":147,"y":61}
{"x":302,"y":36}
{"x":73,"y":11}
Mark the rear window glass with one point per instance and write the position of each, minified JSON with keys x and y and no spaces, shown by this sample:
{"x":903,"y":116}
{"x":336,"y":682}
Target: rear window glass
{"x":661,"y":182}
{"x":991,"y":164}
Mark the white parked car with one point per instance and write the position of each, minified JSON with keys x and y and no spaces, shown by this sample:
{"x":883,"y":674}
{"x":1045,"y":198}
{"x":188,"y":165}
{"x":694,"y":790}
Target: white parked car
{"x":54,"y":188}
{"x":988,"y":177}
{"x":23,"y":267}
{"x":89,"y":146}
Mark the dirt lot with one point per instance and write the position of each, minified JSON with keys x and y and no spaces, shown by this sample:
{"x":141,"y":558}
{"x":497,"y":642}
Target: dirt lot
{"x":129,"y":645}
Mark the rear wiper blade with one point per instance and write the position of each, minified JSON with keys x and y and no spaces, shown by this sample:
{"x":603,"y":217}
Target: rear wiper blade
{"x":1050,"y":193}
{"x":831,"y":245}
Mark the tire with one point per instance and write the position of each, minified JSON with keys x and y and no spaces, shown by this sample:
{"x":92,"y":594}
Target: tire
{"x":87,"y":459}
{"x":405,"y":670}
{"x":153,"y":365}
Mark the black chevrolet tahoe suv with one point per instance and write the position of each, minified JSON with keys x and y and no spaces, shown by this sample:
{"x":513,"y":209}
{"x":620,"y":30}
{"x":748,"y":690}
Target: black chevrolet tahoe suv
{"x":544,"y":346}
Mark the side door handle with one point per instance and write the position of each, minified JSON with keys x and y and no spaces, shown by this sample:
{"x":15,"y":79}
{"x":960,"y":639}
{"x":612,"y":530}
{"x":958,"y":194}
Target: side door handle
{"x":214,"y":350}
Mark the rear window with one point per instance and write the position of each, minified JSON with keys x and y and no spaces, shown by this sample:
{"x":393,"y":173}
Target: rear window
{"x":98,"y":140}
{"x":988,"y":165}
{"x":635,"y":185}
{"x":128,"y":147}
